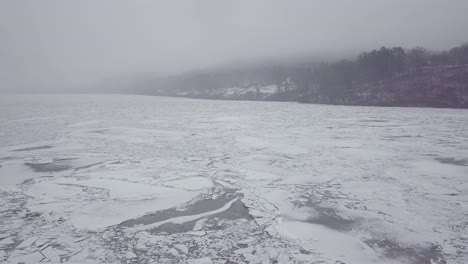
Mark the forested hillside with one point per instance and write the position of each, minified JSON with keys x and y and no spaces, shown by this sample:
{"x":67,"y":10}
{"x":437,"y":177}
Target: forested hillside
{"x":381,"y":77}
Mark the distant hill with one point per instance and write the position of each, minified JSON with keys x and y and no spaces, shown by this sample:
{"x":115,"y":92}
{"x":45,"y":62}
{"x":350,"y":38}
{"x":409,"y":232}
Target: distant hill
{"x":384,"y":77}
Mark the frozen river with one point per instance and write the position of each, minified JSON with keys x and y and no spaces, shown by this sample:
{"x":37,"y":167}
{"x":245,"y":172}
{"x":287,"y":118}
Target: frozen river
{"x":137,"y":179}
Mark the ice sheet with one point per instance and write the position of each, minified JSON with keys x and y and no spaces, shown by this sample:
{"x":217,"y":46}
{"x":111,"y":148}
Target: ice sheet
{"x":382,"y":184}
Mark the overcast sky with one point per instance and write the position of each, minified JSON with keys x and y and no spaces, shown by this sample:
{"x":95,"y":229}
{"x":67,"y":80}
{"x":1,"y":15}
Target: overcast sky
{"x":77,"y":43}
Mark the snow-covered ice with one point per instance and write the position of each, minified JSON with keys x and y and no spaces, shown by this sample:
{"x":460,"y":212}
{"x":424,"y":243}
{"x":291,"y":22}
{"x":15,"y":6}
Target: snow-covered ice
{"x":138,"y":179}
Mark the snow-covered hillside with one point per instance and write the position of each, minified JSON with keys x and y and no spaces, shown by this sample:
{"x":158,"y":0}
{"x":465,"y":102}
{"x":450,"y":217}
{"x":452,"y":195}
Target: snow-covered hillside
{"x":139,"y":179}
{"x":257,"y":92}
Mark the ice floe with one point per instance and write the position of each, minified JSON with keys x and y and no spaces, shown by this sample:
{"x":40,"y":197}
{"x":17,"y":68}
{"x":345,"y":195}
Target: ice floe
{"x":164,"y":180}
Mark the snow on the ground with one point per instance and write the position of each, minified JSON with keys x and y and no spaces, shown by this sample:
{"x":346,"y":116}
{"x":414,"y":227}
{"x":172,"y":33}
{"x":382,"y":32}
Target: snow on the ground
{"x":258,"y":91}
{"x":336,"y":245}
{"x":14,"y":172}
{"x":135,"y":179}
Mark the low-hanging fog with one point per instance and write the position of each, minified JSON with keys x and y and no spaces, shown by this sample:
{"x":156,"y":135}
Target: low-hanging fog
{"x":69,"y":45}
{"x":234,"y":131}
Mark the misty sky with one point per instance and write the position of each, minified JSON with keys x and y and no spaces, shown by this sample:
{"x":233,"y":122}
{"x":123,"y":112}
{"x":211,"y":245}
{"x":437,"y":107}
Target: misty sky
{"x":75,"y":44}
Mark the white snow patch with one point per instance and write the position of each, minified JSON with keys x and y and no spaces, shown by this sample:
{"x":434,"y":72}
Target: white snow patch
{"x":257,"y":143}
{"x":181,"y":248}
{"x":85,"y":123}
{"x":126,"y":200}
{"x":331,"y":243}
{"x":192,"y":183}
{"x":15,"y":172}
{"x":200,"y":261}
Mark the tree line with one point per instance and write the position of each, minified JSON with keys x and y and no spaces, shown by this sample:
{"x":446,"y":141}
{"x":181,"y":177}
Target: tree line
{"x":379,"y":64}
{"x":331,"y":79}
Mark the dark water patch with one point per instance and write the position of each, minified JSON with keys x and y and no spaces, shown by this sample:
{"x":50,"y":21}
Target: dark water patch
{"x":48,"y":167}
{"x":199,"y":207}
{"x":34,"y":148}
{"x":333,"y":221}
{"x":172,"y":228}
{"x":329,"y":217}
{"x":237,"y":211}
{"x":431,"y":254}
{"x":453,"y":161}
{"x":242,"y":245}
